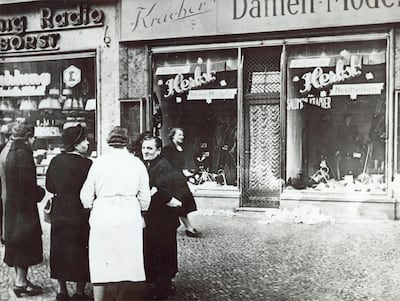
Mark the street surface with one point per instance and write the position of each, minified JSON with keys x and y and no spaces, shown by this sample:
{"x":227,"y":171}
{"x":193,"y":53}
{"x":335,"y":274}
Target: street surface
{"x":245,"y":256}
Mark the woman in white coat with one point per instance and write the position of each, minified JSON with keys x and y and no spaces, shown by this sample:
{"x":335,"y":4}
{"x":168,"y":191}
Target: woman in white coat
{"x":117,"y":190}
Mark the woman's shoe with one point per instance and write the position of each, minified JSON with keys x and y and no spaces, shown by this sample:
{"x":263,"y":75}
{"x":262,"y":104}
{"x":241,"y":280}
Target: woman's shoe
{"x":26,"y":291}
{"x":193,"y":233}
{"x":34,"y":286}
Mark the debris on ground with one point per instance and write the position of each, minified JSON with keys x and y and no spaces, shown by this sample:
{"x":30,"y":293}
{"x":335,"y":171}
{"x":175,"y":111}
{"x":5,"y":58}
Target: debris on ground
{"x":300,"y":215}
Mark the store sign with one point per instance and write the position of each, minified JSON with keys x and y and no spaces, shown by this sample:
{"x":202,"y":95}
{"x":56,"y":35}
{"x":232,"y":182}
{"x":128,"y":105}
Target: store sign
{"x":210,"y":94}
{"x":72,"y":76}
{"x":81,"y":16}
{"x":319,"y":80}
{"x":353,"y":90}
{"x":297,"y":103}
{"x":17,"y":36}
{"x":179,"y":84}
{"x":23,"y":84}
{"x":146,"y":20}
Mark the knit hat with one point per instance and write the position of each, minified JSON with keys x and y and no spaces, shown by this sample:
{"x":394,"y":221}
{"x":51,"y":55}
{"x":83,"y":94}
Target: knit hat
{"x":22,"y":130}
{"x":118,"y":137}
{"x":72,"y":136}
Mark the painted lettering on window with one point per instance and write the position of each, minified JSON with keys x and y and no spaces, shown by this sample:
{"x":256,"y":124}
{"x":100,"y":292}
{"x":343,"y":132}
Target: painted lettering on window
{"x":179,"y":84}
{"x":319,"y":79}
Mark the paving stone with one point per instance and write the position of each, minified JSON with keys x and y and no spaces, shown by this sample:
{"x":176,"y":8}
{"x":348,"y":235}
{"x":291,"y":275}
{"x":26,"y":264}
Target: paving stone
{"x":240,"y":257}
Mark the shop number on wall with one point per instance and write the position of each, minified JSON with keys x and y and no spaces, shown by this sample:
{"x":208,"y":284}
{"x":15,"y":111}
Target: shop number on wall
{"x":72,"y":76}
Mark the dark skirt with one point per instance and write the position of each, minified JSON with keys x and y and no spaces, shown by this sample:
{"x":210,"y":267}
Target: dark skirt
{"x":160,"y":253}
{"x":188,"y":204}
{"x":69,"y":236}
{"x":24,"y":254}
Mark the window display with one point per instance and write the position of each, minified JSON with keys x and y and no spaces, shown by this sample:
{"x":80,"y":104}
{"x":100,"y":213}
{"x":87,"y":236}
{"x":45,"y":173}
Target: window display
{"x":336,"y":117}
{"x":52,"y":95}
{"x":197,"y":91}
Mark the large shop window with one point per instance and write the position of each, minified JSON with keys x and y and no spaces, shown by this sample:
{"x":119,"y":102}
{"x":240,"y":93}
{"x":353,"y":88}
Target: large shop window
{"x":197,"y":91}
{"x":51,"y":95}
{"x":336,"y":117}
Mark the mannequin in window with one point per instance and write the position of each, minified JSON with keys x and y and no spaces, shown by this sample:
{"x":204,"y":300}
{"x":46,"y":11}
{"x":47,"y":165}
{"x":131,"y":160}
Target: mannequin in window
{"x":349,"y":147}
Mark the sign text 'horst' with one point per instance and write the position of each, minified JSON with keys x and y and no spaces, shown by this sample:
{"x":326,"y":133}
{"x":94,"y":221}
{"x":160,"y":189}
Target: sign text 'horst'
{"x":15,"y":36}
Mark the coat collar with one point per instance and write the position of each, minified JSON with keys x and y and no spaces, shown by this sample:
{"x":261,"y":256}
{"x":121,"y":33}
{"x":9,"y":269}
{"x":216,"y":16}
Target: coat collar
{"x":20,"y":144}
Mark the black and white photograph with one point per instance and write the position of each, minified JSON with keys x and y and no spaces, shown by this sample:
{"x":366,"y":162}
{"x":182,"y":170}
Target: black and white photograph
{"x":200,"y":150}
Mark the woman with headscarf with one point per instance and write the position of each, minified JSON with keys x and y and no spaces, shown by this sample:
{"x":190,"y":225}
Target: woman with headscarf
{"x":69,"y":220}
{"x":174,"y":153}
{"x":162,"y":220}
{"x":23,"y":232}
{"x":116,"y":190}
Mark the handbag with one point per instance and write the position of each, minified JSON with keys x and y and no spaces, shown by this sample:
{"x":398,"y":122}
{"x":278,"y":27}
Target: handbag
{"x":47,"y":210}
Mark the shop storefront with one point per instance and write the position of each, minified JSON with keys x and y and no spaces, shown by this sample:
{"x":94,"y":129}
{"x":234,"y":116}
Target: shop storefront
{"x":51,"y":61}
{"x":287,"y":115}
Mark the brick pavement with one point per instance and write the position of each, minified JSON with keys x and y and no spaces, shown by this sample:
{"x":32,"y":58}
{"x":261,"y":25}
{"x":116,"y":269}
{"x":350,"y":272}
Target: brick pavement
{"x":243,"y":258}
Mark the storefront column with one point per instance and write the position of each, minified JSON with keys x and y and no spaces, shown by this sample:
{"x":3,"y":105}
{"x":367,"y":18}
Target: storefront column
{"x":134,"y":80}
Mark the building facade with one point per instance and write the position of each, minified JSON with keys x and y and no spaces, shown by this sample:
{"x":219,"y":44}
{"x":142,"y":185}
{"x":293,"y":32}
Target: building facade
{"x":283,"y":103}
{"x":57,"y":68}
{"x":288,"y":102}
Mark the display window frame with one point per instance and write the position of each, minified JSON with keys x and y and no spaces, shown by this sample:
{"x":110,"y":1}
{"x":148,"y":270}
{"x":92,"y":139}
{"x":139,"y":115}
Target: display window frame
{"x":225,"y":89}
{"x":77,"y":107}
{"x":389,"y":122}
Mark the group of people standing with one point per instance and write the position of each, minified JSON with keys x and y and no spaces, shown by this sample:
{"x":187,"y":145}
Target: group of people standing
{"x":113,"y":219}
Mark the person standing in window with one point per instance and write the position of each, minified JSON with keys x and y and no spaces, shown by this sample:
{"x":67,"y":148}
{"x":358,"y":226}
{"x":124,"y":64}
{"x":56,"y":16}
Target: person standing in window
{"x":162,"y":220}
{"x":116,"y":190}
{"x":174,"y":153}
{"x":69,"y":220}
{"x":23,"y":232}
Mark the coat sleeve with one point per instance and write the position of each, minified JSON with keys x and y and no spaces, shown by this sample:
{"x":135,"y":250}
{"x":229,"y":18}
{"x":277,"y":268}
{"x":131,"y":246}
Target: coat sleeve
{"x":180,"y":186}
{"x":49,"y":181}
{"x":163,"y":181}
{"x":88,"y":191}
{"x":27,"y":177}
{"x":143,"y":194}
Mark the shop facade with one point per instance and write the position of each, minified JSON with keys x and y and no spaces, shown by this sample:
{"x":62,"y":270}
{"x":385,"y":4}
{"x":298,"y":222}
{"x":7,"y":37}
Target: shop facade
{"x":56,"y":70}
{"x":275,"y":114}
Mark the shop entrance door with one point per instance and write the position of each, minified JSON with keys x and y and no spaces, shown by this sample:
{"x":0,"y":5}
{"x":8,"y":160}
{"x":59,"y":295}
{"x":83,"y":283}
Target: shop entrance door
{"x":262,"y":130}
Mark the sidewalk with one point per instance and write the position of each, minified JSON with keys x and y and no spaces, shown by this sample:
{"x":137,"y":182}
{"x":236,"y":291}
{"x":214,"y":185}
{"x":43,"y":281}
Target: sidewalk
{"x":256,"y":257}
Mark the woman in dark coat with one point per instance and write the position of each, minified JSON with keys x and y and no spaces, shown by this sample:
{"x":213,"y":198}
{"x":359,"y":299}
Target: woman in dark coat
{"x":161,"y":263}
{"x":23,"y":245}
{"x":69,"y":220}
{"x":175,"y":155}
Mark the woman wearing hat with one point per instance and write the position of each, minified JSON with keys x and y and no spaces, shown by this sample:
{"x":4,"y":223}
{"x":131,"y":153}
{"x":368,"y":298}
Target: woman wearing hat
{"x":116,"y":189}
{"x":23,"y":232}
{"x":69,"y":220}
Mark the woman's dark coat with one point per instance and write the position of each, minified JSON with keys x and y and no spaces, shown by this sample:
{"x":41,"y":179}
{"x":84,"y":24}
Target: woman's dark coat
{"x":23,"y":246}
{"x":177,"y":159}
{"x":69,"y":220}
{"x":161,"y":262}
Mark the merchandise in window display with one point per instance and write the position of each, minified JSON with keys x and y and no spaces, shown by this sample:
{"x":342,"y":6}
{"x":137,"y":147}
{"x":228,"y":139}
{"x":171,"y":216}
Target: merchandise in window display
{"x":336,"y":114}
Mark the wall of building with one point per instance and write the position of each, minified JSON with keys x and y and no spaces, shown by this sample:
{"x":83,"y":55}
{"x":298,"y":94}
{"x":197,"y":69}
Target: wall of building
{"x":397,"y":57}
{"x":102,"y":39}
{"x":134,"y":76}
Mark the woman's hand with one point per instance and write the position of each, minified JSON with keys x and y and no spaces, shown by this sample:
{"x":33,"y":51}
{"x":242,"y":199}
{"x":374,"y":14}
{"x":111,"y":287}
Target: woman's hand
{"x":173,"y":203}
{"x":153,"y":190}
